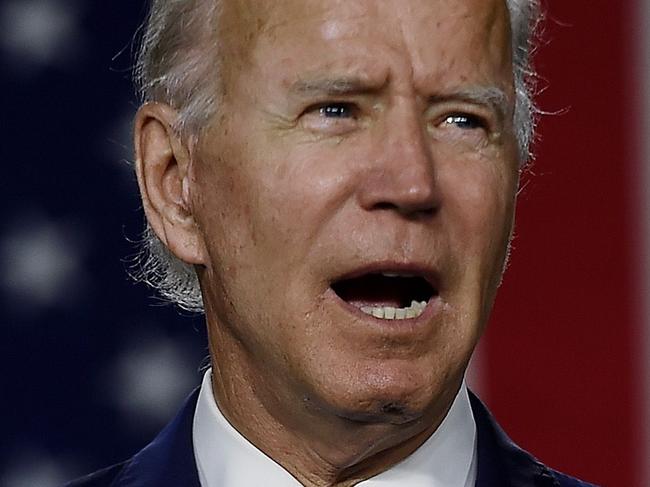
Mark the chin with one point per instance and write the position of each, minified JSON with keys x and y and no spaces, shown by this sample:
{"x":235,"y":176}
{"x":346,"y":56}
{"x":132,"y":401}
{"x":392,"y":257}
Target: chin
{"x":390,"y":393}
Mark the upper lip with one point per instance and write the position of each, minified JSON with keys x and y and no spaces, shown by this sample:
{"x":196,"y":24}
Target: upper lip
{"x":406,"y":269}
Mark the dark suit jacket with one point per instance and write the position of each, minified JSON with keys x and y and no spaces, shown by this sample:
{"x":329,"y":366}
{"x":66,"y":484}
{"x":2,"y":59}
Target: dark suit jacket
{"x":168,"y":461}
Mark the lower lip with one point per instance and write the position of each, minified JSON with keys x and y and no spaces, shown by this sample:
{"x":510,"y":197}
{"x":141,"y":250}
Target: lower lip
{"x":433,"y":305}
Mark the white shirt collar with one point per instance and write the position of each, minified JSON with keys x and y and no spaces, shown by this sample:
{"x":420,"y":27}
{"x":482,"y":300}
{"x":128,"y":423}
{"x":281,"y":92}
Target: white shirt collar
{"x":225,"y":458}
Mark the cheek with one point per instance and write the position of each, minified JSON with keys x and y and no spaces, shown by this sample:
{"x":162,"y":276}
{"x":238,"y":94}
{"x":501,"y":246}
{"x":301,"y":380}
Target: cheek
{"x":262,"y":212}
{"x":223,"y":206}
{"x":292,"y":192}
{"x":480,"y":204}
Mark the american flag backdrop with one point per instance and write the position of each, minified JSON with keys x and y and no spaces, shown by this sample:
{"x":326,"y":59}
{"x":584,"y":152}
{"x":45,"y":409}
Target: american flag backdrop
{"x":93,"y":365}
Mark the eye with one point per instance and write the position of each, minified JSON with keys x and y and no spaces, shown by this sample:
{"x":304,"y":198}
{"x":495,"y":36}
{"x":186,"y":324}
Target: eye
{"x":337,"y":110}
{"x":332,"y":118}
{"x":462,"y":129}
{"x":465,"y":121}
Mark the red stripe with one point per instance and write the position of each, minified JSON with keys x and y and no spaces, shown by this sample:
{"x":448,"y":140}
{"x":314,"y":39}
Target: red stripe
{"x":640,"y":60}
{"x":563,"y":348}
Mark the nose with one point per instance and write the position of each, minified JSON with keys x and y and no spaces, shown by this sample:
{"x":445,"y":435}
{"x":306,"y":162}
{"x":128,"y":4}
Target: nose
{"x":401,"y":176}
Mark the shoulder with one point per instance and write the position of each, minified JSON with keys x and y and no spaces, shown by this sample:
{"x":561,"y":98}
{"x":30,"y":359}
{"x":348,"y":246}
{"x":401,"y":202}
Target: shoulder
{"x":548,"y":477}
{"x":101,"y":478}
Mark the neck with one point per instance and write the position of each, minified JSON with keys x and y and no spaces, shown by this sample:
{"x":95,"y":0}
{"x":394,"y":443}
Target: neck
{"x":319,"y":447}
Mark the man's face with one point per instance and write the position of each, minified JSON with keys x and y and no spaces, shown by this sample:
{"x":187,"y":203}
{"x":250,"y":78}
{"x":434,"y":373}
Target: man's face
{"x":363,"y":159}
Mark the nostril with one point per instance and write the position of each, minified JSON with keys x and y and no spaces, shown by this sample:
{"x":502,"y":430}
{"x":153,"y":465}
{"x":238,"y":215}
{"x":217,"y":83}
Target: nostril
{"x":385,"y":205}
{"x":407,"y":211}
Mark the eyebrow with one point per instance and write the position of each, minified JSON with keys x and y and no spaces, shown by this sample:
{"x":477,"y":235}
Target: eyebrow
{"x":334,"y":86}
{"x":490,"y":96}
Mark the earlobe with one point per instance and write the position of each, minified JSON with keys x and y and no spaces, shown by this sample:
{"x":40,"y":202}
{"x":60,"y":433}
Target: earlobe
{"x":163,"y":169}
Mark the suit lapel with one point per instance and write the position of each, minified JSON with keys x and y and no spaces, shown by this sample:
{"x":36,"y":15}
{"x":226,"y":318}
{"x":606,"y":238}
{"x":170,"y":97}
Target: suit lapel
{"x":500,"y":461}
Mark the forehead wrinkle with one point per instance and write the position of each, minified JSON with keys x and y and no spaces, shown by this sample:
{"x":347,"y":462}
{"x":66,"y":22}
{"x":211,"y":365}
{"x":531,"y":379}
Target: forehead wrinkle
{"x":474,"y":23}
{"x":289,"y":13}
{"x":346,"y":75}
{"x":247,"y":23}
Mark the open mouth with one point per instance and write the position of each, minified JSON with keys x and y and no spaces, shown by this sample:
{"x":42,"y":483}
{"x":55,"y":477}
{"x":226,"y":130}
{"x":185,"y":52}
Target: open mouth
{"x":386,"y":295}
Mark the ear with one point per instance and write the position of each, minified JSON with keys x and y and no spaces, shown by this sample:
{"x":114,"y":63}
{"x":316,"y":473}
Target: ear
{"x":163,"y":168}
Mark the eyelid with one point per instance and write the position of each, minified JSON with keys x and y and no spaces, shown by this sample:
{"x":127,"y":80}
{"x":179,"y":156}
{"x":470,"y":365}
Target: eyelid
{"x":450,"y":107}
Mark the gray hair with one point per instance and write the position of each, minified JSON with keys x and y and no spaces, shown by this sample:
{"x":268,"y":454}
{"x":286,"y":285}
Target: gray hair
{"x":171,"y":68}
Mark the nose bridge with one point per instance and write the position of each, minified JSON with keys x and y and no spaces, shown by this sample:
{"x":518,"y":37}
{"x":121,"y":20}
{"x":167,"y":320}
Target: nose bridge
{"x":403,"y":174}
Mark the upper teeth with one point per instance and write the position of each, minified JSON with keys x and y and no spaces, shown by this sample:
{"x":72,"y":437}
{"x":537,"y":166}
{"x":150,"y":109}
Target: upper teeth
{"x":395,"y":274}
{"x":391,"y":313}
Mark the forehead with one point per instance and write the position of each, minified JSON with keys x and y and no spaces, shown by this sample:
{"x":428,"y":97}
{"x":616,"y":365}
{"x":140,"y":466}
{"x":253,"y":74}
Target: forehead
{"x":429,"y":35}
{"x":263,"y":16}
